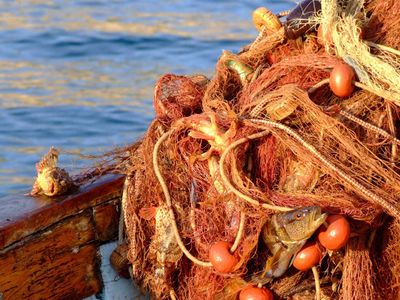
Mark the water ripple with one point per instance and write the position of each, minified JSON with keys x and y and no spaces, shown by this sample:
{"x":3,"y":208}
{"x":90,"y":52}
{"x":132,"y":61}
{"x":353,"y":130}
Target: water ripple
{"x":79,"y":75}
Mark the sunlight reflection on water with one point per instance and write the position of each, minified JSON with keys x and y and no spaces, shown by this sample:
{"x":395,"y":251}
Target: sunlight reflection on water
{"x":79,"y":75}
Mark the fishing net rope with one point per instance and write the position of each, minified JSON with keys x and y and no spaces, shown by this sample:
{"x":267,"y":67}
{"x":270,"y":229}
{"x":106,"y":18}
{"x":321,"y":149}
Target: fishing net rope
{"x":264,"y":135}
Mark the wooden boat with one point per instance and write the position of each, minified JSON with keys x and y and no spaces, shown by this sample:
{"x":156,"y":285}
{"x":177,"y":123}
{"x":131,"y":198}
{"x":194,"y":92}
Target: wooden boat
{"x":49,"y":246}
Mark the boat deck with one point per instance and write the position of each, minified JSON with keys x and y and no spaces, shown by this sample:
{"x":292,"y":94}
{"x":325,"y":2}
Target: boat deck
{"x":49,"y":247}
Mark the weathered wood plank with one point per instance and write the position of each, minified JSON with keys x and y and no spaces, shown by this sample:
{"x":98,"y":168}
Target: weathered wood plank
{"x":59,"y":263}
{"x":106,"y":219}
{"x":24,"y":215}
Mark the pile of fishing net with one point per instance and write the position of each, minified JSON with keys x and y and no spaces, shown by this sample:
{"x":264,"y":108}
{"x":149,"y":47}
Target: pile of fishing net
{"x":265,"y":135}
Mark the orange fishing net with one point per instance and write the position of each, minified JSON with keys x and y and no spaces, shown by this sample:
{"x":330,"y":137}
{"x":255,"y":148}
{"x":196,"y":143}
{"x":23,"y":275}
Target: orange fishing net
{"x":264,"y":135}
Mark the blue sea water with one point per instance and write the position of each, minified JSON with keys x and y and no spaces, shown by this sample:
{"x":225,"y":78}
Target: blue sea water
{"x":79,"y":75}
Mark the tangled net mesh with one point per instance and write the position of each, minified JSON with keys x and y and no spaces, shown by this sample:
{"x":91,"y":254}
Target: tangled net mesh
{"x":386,"y":260}
{"x":265,"y":135}
{"x":178,"y":96}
